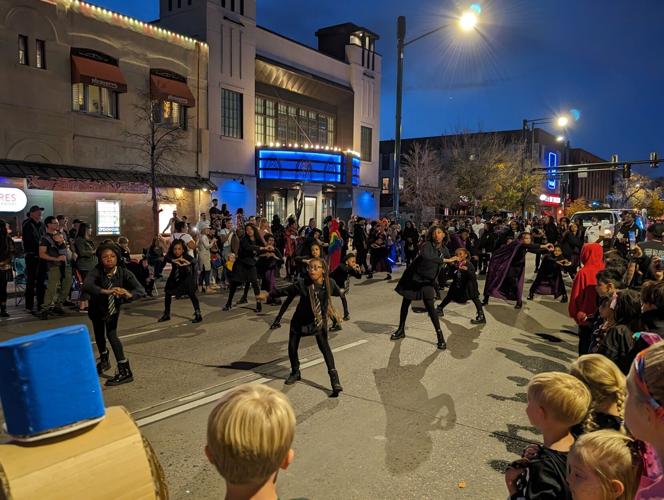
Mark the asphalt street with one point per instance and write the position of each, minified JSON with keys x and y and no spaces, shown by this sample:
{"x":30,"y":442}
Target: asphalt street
{"x":413,"y":422}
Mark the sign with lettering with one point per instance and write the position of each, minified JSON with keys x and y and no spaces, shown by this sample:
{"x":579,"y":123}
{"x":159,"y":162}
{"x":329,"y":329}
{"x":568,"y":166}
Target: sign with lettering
{"x":12,"y":200}
{"x":86,"y":186}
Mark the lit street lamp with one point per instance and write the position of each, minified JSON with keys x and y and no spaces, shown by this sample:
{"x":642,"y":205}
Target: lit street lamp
{"x":467,"y":22}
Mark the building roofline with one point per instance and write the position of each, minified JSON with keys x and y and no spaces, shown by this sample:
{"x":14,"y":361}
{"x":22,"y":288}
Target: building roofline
{"x":304,"y":73}
{"x":299,"y":43}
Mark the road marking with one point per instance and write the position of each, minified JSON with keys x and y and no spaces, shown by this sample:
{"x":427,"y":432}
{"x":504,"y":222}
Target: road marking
{"x":157,"y":417}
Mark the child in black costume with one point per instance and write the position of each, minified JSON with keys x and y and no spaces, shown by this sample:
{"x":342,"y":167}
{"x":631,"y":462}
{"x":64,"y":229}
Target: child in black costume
{"x":109,"y":285}
{"x":341,"y":275}
{"x":311,"y":317}
{"x":549,"y":279}
{"x":464,"y":286}
{"x":181,"y":280}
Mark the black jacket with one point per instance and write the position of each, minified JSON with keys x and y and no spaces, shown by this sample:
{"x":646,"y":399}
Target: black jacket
{"x":303,"y":318}
{"x":342,"y":272}
{"x":32,"y":234}
{"x":249,"y":250}
{"x":94,"y":282}
{"x":429,"y":262}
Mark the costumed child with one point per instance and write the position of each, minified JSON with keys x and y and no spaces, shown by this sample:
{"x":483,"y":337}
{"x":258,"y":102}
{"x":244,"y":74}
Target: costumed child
{"x":505,"y":277}
{"x":464,"y":286}
{"x":267,"y":266}
{"x":549,"y":279}
{"x":341,"y":275}
{"x":604,"y":465}
{"x":181,"y":281}
{"x":311,"y":317}
{"x":335,"y":247}
{"x":109,"y":284}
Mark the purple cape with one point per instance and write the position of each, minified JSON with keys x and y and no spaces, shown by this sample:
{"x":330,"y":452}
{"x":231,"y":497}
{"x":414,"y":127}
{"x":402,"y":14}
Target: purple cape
{"x":499,"y":269}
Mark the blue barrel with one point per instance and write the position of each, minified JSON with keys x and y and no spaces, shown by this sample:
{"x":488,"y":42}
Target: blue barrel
{"x":49,"y":381}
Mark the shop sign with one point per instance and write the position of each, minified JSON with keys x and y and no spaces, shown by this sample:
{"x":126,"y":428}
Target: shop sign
{"x":12,"y":200}
{"x":550,"y":199}
{"x":86,"y":186}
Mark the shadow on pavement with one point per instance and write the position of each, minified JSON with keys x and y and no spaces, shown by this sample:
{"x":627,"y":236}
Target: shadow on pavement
{"x":410,"y":414}
{"x":514,"y":443}
{"x":462,"y":341}
{"x":533,"y":364}
{"x":375,"y":328}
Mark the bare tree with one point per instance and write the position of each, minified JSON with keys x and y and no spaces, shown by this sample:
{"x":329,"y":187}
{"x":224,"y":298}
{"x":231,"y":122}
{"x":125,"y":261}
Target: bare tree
{"x":423,"y":184}
{"x":159,"y":144}
{"x":635,"y":192}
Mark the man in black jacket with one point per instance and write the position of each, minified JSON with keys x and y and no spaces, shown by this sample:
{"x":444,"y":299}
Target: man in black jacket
{"x":32,"y":232}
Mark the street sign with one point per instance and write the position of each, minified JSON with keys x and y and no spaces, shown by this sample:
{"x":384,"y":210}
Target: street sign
{"x":582,"y":173}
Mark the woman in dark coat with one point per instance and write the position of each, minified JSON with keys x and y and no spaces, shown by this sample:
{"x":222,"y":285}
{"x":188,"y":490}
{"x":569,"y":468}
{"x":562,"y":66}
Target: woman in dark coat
{"x":311,"y":317}
{"x":419,"y":279}
{"x":6,"y":271}
{"x":571,"y":243}
{"x":181,"y":281}
{"x":244,"y":269}
{"x":551,"y":230}
{"x":411,"y":239}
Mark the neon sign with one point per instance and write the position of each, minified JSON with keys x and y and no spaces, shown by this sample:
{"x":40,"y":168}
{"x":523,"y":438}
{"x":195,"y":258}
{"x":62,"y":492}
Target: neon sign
{"x":551,"y":165}
{"x":307,"y":166}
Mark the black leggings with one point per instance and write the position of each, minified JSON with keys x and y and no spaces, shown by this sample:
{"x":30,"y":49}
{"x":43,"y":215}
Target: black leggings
{"x":344,"y":302}
{"x":431,"y":311}
{"x":323,"y":344}
{"x":108,"y":329}
{"x":235,"y":285}
{"x":192,"y":297}
{"x":3,"y":287}
{"x":476,"y":301}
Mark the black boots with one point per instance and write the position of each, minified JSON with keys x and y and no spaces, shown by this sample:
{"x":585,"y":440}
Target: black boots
{"x":123,"y":375}
{"x":103,"y":364}
{"x":336,"y":327}
{"x":3,"y":311}
{"x":197,"y":317}
{"x":293,"y":377}
{"x":336,"y":385}
{"x":518,"y":305}
{"x":480,"y":319}
{"x":164,"y":317}
{"x":564,"y":299}
{"x":259,"y":307}
{"x":442,"y":345}
{"x":531,"y":296}
{"x":399,"y":334}
{"x":440,"y":311}
{"x":275,"y":325}
{"x":485,"y":302}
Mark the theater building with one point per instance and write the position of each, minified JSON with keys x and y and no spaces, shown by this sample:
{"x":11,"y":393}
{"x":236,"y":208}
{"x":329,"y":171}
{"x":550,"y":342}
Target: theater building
{"x":76,"y":82}
{"x":286,"y":119}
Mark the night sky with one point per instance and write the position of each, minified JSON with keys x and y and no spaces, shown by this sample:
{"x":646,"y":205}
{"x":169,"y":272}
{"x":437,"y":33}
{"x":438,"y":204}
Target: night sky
{"x":534,"y":58}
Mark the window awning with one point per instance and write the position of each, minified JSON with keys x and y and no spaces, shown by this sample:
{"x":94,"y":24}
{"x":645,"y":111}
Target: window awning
{"x":171,"y":90}
{"x":101,"y":74}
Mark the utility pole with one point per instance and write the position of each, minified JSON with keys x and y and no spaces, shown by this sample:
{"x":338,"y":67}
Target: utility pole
{"x":401,"y":40}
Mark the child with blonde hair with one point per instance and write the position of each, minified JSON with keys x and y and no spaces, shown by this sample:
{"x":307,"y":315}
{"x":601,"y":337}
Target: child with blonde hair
{"x":604,"y":465}
{"x":644,"y":413}
{"x":607,"y":387}
{"x":556,"y":402}
{"x":249,"y":438}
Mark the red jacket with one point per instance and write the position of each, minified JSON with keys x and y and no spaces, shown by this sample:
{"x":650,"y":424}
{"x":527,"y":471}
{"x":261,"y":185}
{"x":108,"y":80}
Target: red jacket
{"x":583,"y":301}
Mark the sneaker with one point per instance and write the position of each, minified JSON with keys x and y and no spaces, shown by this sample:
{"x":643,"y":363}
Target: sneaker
{"x":243,"y":300}
{"x":58,"y":310}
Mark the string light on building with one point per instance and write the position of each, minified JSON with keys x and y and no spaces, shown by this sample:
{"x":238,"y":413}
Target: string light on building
{"x":313,"y":147}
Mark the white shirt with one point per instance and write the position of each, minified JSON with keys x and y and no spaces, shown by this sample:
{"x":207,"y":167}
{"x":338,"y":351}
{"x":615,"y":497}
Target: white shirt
{"x":186,"y":237}
{"x":593,"y":233}
{"x":202,"y":224}
{"x":478,"y":229}
{"x":226,"y":232}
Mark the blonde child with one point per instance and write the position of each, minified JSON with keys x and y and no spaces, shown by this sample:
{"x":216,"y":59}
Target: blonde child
{"x":644,"y":413}
{"x":249,"y":437}
{"x":607,"y":388}
{"x":604,"y":465}
{"x":556,"y":402}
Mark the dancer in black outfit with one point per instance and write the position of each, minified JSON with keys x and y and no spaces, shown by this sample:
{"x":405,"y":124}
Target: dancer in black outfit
{"x":341,"y":275}
{"x":181,"y":281}
{"x":244,"y":269}
{"x":464,"y":286}
{"x":311,"y":317}
{"x":110,"y":284}
{"x":549,"y":279}
{"x":418,"y":282}
{"x":411,"y":238}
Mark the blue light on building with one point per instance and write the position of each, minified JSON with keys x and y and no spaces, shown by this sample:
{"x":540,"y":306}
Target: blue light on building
{"x":306,"y":166}
{"x":552,"y":170}
{"x":356,"y":171}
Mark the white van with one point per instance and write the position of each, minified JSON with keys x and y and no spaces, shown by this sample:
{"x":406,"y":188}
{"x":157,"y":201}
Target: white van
{"x":608,"y":220}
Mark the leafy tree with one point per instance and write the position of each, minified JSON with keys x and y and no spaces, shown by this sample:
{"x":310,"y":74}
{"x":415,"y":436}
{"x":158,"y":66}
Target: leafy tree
{"x":578,"y":205}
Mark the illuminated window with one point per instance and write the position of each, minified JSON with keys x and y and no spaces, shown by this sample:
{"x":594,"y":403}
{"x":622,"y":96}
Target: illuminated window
{"x":365,"y":151}
{"x":108,"y":217}
{"x":282,"y":123}
{"x":41,"y":54}
{"x":23,"y":50}
{"x":330,"y":131}
{"x":165,"y":213}
{"x":386,"y":185}
{"x":171,"y":113}
{"x":231,"y":114}
{"x":94,"y":100}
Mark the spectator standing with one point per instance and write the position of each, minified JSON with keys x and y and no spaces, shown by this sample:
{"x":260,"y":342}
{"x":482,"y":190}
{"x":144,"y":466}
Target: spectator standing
{"x":205,"y":244}
{"x":583,"y":298}
{"x":87,"y":258}
{"x":181,"y":233}
{"x":202,"y":223}
{"x":6,"y":270}
{"x":51,"y":259}
{"x":214,"y":210}
{"x":170,"y":227}
{"x":32,"y":231}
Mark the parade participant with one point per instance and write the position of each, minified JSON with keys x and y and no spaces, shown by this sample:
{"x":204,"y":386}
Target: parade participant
{"x":341,"y":276}
{"x":244,"y":269}
{"x":464,"y":286}
{"x":360,"y":243}
{"x":6,"y":271}
{"x":570,"y":244}
{"x":379,"y":253}
{"x":411,"y":240}
{"x":644,"y":410}
{"x":549,"y":279}
{"x":336,"y":244}
{"x":551,"y":230}
{"x":110,"y":284}
{"x":311,"y":317}
{"x":181,"y":281}
{"x":290,"y":247}
{"x":419,"y":279}
{"x":604,"y":465}
{"x":267,"y":266}
{"x":507,"y":267}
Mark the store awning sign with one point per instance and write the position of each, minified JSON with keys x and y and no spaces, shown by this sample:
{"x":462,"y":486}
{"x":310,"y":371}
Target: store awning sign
{"x":12,"y":200}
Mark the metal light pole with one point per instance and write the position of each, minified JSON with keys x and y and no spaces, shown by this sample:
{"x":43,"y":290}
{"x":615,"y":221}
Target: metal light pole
{"x":401,"y":44}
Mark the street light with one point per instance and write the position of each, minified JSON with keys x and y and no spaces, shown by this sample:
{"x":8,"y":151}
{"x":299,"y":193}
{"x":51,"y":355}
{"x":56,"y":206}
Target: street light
{"x":467,"y":22}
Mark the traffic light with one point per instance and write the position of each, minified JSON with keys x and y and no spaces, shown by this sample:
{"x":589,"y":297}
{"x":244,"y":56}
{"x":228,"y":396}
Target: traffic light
{"x":627,"y":171}
{"x":653,"y":160}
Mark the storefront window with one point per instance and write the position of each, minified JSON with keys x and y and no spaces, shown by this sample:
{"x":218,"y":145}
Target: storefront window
{"x":108,"y":217}
{"x":165,"y":213}
{"x":94,"y":100}
{"x":171,"y":113}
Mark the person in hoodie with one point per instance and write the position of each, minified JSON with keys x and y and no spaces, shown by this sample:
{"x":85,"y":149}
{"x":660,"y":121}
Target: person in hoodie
{"x":583,"y":299}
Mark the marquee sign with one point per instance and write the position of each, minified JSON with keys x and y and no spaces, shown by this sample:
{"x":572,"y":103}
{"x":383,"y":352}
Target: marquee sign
{"x":12,"y":200}
{"x":86,"y":186}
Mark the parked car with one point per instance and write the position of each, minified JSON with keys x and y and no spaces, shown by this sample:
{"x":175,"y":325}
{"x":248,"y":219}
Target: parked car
{"x":609,"y":220}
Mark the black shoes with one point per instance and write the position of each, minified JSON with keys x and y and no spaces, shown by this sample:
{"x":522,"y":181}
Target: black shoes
{"x":275,"y":325}
{"x":399,"y":334}
{"x":43,"y":314}
{"x":531,"y":296}
{"x":103,"y":364}
{"x":347,"y":317}
{"x":293,"y":377}
{"x":440,"y":311}
{"x":480,"y":319}
{"x":243,"y":300}
{"x":164,"y":317}
{"x":369,"y":276}
{"x":336,"y":385}
{"x":3,"y":312}
{"x":336,"y":328}
{"x":518,"y":305}
{"x":259,"y":307}
{"x":197,"y":317}
{"x":58,"y":310}
{"x":442,"y":345}
{"x":123,"y":375}
{"x":564,"y":299}
{"x":227,"y":307}
{"x":485,"y":302}
{"x":389,"y":277}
